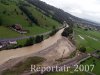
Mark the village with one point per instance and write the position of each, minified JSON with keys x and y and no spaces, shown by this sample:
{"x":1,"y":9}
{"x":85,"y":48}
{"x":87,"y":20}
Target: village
{"x":16,"y":27}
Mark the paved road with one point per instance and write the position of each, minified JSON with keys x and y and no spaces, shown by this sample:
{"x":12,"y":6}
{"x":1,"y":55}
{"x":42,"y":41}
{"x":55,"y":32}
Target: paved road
{"x":26,"y":37}
{"x":22,"y":37}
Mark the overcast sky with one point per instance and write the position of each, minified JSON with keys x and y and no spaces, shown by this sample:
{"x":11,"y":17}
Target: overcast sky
{"x":88,"y":9}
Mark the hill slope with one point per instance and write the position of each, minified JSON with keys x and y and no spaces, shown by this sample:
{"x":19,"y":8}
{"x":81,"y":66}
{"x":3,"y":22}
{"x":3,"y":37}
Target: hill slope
{"x":10,"y":13}
{"x":59,"y":14}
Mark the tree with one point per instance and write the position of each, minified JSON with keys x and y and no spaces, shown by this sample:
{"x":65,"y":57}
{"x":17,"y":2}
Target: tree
{"x":86,"y":29}
{"x":53,"y":27}
{"x":29,"y":14}
{"x":94,"y":62}
{"x":56,"y":13}
{"x":15,"y":10}
{"x":67,"y":31}
{"x":53,"y":32}
{"x":17,"y":13}
{"x":82,"y":49}
{"x":4,"y":12}
{"x":22,"y":13}
{"x":30,"y":41}
{"x":42,"y":38}
{"x":39,"y":39}
{"x":0,"y":21}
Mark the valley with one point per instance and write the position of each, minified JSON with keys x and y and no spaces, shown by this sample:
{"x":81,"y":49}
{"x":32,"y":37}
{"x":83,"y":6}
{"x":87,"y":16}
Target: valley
{"x":35,"y":33}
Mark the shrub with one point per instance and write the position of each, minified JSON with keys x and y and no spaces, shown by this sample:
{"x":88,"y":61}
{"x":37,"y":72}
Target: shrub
{"x":67,"y":31}
{"x":38,"y":39}
{"x":82,"y":49}
{"x":29,"y":42}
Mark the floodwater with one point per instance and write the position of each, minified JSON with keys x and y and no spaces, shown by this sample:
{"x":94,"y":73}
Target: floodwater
{"x":6,"y":55}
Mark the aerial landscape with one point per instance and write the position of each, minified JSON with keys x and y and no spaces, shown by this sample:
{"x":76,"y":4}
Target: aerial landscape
{"x":39,"y":38}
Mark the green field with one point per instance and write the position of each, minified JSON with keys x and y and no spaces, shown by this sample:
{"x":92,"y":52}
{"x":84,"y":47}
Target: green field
{"x":90,"y":61}
{"x":89,"y":39}
{"x":44,"y":21}
{"x":10,"y":16}
{"x":7,"y":33}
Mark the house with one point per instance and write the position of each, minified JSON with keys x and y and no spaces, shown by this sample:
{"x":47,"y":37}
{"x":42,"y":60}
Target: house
{"x":1,"y":45}
{"x":5,"y":44}
{"x":17,"y":26}
{"x":12,"y":42}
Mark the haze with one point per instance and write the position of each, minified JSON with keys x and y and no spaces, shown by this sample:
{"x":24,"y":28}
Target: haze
{"x":87,"y":9}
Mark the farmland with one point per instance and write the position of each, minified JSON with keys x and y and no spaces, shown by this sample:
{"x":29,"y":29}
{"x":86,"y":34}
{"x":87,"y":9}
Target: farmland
{"x":95,"y":62}
{"x":90,"y":39}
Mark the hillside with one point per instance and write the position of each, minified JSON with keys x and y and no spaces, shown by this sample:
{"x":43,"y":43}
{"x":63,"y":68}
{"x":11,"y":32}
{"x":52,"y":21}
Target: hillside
{"x":10,"y":14}
{"x":59,"y":14}
{"x":35,"y":33}
{"x":33,"y":15}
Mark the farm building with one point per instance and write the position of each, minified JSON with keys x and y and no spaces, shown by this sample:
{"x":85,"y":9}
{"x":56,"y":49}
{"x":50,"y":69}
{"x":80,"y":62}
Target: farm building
{"x":7,"y":43}
{"x":18,"y":28}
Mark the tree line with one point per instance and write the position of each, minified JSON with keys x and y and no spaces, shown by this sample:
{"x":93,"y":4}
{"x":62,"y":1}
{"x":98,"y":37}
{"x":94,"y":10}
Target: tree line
{"x":39,"y":38}
{"x":29,"y":14}
{"x":34,"y":40}
{"x":57,"y":14}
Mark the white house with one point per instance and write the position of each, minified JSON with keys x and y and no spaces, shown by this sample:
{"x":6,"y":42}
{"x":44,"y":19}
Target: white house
{"x":12,"y":42}
{"x":1,"y":46}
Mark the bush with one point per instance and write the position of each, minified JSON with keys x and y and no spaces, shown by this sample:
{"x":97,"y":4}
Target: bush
{"x":67,"y":31}
{"x":4,"y":12}
{"x":31,"y":17}
{"x":82,"y":49}
{"x":0,"y":21}
{"x":39,"y":39}
{"x":53,"y":32}
{"x":30,"y":41}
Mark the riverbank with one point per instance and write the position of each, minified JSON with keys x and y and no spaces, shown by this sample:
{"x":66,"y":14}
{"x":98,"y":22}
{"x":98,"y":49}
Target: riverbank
{"x":5,"y":55}
{"x":52,"y":49}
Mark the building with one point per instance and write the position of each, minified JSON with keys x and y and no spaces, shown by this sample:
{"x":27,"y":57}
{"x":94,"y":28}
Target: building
{"x":12,"y":42}
{"x":1,"y":45}
{"x":17,"y":26}
{"x":5,"y":44}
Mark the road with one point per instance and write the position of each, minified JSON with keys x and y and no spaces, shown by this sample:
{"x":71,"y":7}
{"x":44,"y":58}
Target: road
{"x":26,"y":37}
{"x":22,"y":37}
